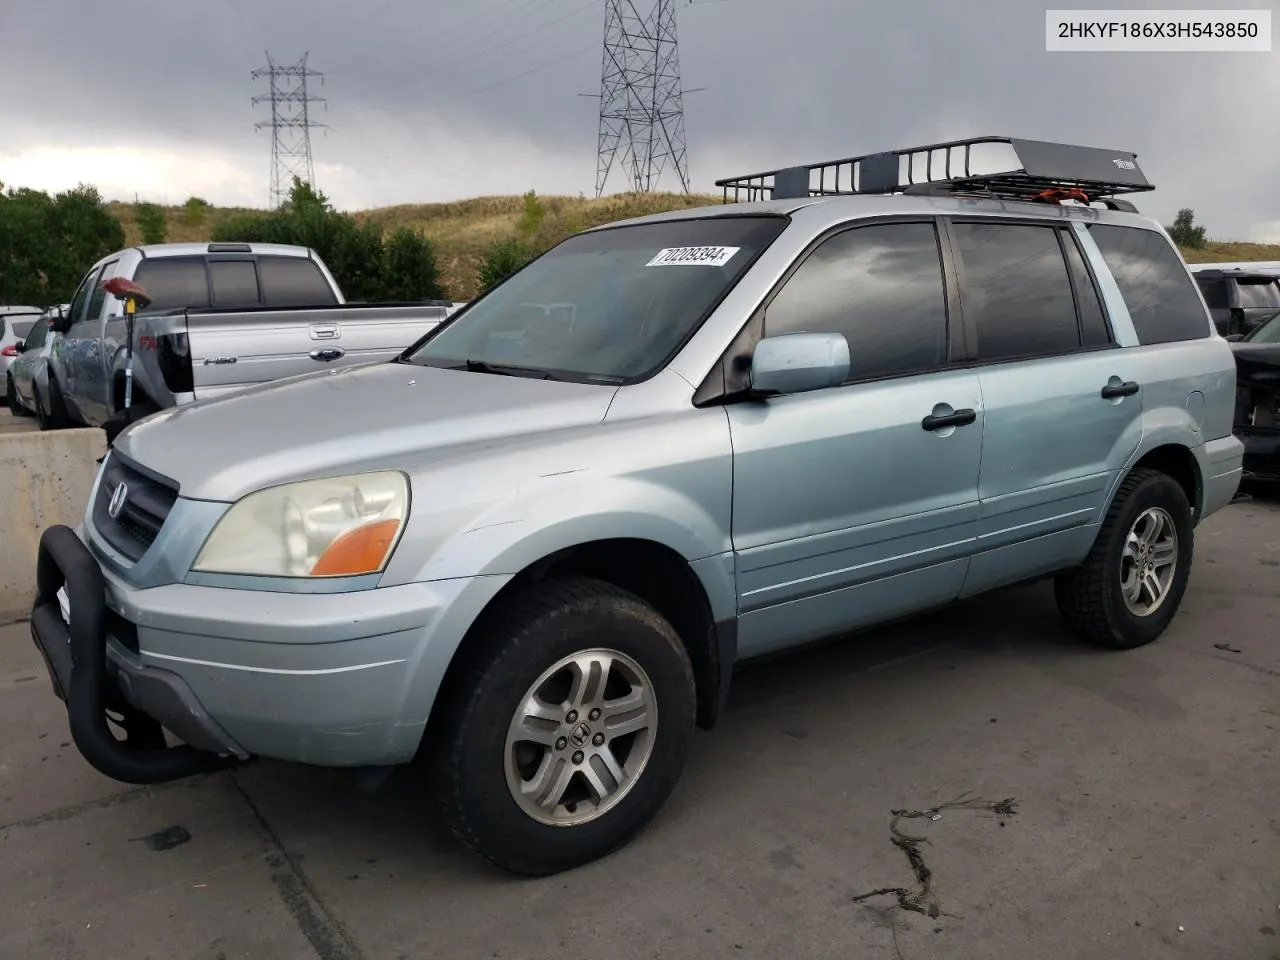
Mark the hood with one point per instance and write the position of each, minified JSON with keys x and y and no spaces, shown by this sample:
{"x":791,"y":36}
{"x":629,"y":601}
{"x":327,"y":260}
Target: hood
{"x":353,"y":419}
{"x":1257,"y":365}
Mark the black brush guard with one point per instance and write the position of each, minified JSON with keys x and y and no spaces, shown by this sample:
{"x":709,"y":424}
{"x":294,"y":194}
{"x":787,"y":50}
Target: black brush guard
{"x":76,"y":656}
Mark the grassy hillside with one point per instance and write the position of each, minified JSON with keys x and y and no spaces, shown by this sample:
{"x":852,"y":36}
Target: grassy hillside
{"x":461,"y":231}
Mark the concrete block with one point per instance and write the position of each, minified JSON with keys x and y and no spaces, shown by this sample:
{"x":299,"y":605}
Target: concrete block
{"x":45,"y":478}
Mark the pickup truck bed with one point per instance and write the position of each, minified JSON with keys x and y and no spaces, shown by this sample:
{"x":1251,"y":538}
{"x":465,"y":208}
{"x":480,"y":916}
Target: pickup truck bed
{"x":185,"y":355}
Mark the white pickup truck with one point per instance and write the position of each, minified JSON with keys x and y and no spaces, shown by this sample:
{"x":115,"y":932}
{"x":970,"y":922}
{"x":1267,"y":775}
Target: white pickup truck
{"x":223,"y":317}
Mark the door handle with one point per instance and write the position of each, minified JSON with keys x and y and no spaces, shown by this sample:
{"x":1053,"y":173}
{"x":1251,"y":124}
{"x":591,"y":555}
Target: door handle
{"x":957,"y":419}
{"x":1126,"y":389}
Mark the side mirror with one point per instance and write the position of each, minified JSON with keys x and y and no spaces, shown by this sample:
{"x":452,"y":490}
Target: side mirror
{"x":799,"y":362}
{"x":20,"y":345}
{"x":61,"y":323}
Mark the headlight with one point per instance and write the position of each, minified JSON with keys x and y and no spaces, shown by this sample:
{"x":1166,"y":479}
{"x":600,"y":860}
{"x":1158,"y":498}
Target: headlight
{"x":337,"y":527}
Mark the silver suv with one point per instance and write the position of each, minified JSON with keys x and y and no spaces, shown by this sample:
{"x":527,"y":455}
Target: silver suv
{"x":529,"y":553}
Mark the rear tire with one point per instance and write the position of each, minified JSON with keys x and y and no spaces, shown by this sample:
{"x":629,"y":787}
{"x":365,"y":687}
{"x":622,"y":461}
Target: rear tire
{"x":1130,"y":586}
{"x":603,"y":764}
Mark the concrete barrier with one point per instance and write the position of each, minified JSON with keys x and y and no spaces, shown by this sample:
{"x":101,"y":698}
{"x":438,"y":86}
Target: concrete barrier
{"x":45,"y":478}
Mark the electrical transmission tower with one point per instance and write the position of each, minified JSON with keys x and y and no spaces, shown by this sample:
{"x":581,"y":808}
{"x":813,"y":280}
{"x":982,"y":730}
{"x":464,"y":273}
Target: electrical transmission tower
{"x":290,"y":124}
{"x":641,"y":99}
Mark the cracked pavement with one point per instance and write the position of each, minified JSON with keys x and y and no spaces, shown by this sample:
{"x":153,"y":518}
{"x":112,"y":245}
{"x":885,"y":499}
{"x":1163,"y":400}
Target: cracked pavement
{"x":1147,"y":823}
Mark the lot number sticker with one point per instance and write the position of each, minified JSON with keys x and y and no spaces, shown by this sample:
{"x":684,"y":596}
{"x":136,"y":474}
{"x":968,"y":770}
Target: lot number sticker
{"x":693,"y":256}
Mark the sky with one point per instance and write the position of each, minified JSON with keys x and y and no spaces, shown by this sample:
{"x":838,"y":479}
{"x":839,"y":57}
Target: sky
{"x":433,"y":100}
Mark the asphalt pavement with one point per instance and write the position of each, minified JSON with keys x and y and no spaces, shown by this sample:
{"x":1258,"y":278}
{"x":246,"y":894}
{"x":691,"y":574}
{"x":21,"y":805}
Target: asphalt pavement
{"x":1143,"y":820}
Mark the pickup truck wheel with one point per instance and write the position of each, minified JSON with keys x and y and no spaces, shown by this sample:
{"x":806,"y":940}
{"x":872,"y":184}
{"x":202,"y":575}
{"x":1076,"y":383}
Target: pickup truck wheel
{"x":56,"y":417}
{"x":569,"y":730}
{"x":1129,"y":588}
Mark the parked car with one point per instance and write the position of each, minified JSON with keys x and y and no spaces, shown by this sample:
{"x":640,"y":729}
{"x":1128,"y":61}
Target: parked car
{"x":1240,"y":297}
{"x":1257,"y":422}
{"x":529,"y":552}
{"x":28,"y":378}
{"x":223,"y":317}
{"x":15,"y":323}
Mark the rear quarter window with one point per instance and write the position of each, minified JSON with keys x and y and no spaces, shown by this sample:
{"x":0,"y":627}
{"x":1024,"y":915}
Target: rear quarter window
{"x":293,"y":282}
{"x":1158,"y":291}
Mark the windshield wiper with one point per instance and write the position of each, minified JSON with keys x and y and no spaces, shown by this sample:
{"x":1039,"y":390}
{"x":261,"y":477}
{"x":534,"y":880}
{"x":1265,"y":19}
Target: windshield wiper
{"x":507,"y":370}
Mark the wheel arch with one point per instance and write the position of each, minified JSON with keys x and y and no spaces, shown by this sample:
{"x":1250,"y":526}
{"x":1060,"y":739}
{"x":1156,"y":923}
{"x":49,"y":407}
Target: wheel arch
{"x":1170,"y":456}
{"x":656,"y":573}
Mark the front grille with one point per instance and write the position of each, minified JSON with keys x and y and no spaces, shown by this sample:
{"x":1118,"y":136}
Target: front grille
{"x":147,"y":502}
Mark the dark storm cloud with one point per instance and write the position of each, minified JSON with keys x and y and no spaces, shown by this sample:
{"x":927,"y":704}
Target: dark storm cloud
{"x":436,"y":99}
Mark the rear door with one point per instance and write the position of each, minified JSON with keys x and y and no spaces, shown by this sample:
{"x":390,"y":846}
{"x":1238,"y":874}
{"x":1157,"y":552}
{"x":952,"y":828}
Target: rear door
{"x":1062,"y":400}
{"x":85,"y":376}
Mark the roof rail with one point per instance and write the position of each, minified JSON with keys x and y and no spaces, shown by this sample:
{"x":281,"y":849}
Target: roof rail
{"x":1041,"y":171}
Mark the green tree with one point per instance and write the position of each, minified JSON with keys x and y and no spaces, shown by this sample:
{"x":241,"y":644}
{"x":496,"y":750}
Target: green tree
{"x":409,"y":267}
{"x":500,"y":261}
{"x":365,"y":267}
{"x":151,"y":221}
{"x":47,"y":243}
{"x":1184,"y":232}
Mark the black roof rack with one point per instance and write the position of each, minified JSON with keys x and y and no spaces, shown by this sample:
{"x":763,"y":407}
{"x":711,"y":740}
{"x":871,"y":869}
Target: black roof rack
{"x":1041,"y":171}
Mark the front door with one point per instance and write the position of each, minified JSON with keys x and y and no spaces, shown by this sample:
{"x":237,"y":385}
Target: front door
{"x":851,"y":505}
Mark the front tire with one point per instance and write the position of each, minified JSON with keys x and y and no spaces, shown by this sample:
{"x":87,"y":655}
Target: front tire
{"x":1130,"y":586}
{"x":569,"y":729}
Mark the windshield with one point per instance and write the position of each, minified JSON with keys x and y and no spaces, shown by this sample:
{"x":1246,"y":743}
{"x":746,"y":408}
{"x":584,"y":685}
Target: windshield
{"x":608,"y":306}
{"x":1269,"y":332}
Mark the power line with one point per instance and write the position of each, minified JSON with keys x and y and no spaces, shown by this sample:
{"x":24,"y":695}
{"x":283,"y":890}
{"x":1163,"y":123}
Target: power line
{"x":463,"y":29}
{"x":511,"y":79}
{"x":446,"y":65}
{"x":641,"y":98}
{"x":290,"y":124}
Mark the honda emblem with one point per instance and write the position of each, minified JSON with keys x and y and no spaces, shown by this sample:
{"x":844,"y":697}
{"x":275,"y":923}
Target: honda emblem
{"x":118,"y":497}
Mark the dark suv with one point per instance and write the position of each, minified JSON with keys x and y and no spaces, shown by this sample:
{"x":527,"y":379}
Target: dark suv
{"x":1240,"y":299}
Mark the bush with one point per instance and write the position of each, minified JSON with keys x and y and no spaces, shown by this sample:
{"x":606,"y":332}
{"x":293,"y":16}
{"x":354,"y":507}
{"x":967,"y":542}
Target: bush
{"x":409,"y":268}
{"x":151,"y":221}
{"x":194,"y":211}
{"x":1183,"y":233}
{"x":533,"y":215}
{"x":500,"y":261}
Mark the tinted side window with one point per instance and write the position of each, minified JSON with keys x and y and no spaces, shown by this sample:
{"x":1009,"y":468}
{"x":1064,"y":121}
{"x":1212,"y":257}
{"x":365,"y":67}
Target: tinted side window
{"x":174,"y":282}
{"x":1215,"y":294}
{"x":1017,"y":293}
{"x":1255,"y":295}
{"x":881,"y":286}
{"x":1154,"y":283}
{"x":293,"y":282}
{"x":36,"y":337}
{"x":1094,"y":329}
{"x":76,"y":313}
{"x":235,"y":283}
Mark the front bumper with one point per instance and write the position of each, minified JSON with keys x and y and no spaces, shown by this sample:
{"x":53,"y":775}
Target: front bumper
{"x":90,"y":682}
{"x":345,"y":679}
